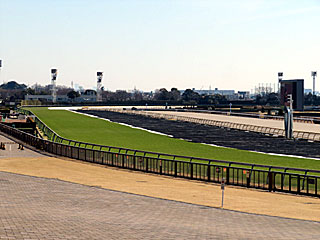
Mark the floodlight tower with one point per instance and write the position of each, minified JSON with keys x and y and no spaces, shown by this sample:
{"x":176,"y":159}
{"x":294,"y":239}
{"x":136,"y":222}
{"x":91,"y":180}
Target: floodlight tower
{"x":99,"y":86}
{"x":0,"y":67}
{"x":280,"y":75}
{"x":54,"y":73}
{"x":314,"y":74}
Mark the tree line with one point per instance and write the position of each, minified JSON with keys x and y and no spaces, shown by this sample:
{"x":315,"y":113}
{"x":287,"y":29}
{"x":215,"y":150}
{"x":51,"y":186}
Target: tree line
{"x":13,"y":91}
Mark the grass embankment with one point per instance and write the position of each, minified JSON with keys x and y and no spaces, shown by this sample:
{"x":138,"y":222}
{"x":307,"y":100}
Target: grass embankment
{"x":87,"y":129}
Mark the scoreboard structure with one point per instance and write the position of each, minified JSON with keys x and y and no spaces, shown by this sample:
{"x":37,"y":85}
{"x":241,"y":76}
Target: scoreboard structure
{"x":294,"y":87}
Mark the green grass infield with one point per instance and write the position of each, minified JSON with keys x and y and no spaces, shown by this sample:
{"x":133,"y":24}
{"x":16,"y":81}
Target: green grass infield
{"x":92,"y":130}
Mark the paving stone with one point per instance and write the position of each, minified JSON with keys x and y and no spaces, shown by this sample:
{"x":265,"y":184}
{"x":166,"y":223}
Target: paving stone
{"x":39,"y":208}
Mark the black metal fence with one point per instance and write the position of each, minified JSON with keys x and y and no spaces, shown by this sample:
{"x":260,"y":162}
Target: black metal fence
{"x":291,"y":180}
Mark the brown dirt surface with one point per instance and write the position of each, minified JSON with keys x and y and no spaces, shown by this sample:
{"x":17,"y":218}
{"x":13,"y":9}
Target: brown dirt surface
{"x":201,"y":133}
{"x":207,"y":194}
{"x":304,"y":127}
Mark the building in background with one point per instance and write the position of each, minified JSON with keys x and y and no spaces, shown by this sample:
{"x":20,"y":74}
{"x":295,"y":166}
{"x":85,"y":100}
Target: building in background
{"x":86,"y":96}
{"x":244,"y":95}
{"x":295,"y":87}
{"x":307,"y":91}
{"x":47,"y":98}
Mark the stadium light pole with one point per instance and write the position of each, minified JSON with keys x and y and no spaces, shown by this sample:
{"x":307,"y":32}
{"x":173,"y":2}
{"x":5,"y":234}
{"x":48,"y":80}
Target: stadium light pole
{"x":1,"y":68}
{"x":99,"y":85}
{"x":314,"y":74}
{"x":54,"y":73}
{"x":280,"y":75}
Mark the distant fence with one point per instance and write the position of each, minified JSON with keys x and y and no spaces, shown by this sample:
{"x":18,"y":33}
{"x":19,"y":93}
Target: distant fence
{"x":245,"y":127}
{"x":251,"y":115}
{"x":271,"y":178}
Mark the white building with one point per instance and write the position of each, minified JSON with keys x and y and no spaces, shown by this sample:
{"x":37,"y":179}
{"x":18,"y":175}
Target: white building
{"x":47,"y":98}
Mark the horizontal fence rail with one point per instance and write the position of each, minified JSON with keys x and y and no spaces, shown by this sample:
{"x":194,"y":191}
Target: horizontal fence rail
{"x":271,"y":178}
{"x":250,"y":115}
{"x":245,"y":127}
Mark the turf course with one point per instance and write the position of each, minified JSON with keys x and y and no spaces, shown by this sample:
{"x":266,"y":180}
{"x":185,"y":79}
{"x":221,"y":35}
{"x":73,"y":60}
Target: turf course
{"x":83,"y":128}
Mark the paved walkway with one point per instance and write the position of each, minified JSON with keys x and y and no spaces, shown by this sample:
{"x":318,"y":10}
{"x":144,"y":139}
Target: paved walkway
{"x":12,"y":151}
{"x":37,"y":208}
{"x":97,"y":202}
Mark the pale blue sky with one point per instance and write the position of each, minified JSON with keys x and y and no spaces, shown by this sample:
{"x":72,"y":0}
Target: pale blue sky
{"x":230,"y":44}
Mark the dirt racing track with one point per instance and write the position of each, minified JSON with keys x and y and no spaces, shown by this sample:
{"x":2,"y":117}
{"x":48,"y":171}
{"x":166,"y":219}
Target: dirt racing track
{"x":297,"y":126}
{"x":215,"y":135}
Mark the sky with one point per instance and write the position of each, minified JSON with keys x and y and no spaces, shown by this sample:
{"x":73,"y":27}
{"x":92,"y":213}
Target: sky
{"x":152,"y":44}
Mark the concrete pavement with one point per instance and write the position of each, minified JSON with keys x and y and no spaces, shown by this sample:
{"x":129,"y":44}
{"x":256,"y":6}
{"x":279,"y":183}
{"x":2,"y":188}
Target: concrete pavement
{"x":38,"y":208}
{"x":66,"y":199}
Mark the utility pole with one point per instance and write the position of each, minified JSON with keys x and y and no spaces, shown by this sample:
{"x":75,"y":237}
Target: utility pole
{"x":222,"y":191}
{"x":288,"y":118}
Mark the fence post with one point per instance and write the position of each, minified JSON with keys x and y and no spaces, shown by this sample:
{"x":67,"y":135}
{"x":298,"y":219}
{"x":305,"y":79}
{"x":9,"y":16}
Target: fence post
{"x":122,"y":161}
{"x":298,"y":183}
{"x":248,"y":178}
{"x":191,"y":170}
{"x":270,"y":181}
{"x":160,"y":166}
{"x":175,"y":168}
{"x":289,"y":182}
{"x":112,"y":158}
{"x":147,"y":163}
{"x":227,"y":175}
{"x":134,"y":162}
{"x":208,"y":172}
